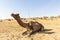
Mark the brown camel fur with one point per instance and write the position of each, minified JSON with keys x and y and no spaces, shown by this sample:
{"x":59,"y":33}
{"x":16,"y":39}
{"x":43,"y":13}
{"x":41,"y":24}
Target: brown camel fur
{"x":33,"y":26}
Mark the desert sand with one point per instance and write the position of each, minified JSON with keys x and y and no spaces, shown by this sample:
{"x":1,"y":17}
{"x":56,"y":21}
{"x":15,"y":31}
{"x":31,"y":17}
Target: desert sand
{"x":11,"y":30}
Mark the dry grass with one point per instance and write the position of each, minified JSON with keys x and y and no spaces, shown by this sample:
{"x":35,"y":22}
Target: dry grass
{"x":11,"y":30}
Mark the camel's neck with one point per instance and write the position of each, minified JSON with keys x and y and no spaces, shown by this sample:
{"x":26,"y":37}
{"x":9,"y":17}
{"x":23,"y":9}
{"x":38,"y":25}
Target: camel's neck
{"x":20,"y":22}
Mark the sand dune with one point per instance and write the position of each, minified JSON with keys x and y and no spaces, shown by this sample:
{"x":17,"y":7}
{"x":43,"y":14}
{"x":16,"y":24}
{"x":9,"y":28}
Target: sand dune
{"x":11,"y":30}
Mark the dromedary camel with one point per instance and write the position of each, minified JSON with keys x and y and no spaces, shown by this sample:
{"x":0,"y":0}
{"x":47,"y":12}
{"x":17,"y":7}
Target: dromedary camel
{"x":31,"y":26}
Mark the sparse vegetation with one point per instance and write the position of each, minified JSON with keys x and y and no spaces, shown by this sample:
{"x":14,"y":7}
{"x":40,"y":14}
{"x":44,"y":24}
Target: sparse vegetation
{"x":12,"y":31}
{"x":1,"y":20}
{"x":52,"y":17}
{"x":45,"y":17}
{"x":58,"y":16}
{"x":8,"y":19}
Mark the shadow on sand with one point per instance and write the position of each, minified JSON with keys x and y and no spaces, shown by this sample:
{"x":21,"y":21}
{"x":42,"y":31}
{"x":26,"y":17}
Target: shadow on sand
{"x":46,"y":31}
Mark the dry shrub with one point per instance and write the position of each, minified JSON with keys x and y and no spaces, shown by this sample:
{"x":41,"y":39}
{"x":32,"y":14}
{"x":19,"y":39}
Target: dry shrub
{"x":58,"y":16}
{"x":45,"y":17}
{"x":26,"y":20}
{"x":41,"y":18}
{"x":33,"y":19}
{"x":1,"y":20}
{"x":52,"y":17}
{"x":9,"y":19}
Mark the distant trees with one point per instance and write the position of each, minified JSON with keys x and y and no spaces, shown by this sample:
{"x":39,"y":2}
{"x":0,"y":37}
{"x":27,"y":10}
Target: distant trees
{"x":1,"y":20}
{"x":9,"y":19}
{"x":45,"y":17}
{"x":35,"y":18}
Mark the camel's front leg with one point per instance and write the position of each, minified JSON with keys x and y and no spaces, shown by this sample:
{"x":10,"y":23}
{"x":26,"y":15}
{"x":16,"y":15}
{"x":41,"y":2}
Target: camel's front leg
{"x":26,"y":32}
{"x":32,"y":33}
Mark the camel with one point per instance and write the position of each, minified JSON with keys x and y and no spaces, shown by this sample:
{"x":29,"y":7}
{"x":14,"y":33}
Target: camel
{"x":31,"y":26}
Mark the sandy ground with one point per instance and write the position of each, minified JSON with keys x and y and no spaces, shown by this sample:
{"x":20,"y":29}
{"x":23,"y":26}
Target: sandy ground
{"x":11,"y":30}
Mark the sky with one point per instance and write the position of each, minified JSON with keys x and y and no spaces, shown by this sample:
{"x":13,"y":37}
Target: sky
{"x":29,"y":8}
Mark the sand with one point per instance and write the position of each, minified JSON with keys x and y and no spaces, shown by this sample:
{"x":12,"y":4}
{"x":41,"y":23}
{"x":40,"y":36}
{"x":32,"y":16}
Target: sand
{"x":11,"y":30}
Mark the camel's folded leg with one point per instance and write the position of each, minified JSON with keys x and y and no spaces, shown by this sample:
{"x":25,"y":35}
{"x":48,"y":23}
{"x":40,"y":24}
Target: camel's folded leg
{"x":34,"y":31}
{"x":26,"y":32}
{"x":41,"y":29}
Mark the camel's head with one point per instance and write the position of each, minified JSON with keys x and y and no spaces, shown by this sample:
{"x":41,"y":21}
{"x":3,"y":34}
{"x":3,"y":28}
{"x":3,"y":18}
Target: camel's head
{"x":15,"y":15}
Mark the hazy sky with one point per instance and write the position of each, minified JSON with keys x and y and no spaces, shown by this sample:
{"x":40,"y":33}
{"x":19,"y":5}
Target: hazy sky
{"x":34,"y":8}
